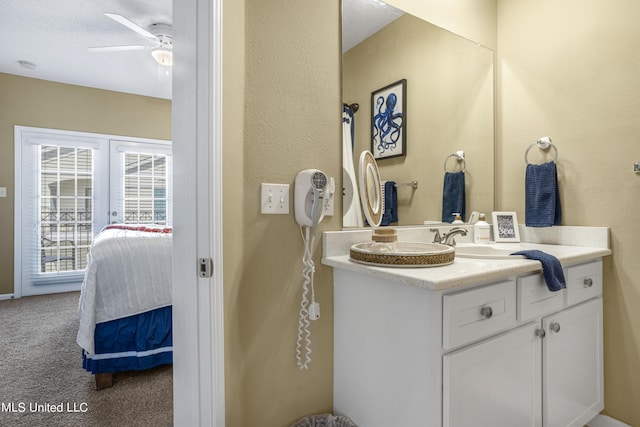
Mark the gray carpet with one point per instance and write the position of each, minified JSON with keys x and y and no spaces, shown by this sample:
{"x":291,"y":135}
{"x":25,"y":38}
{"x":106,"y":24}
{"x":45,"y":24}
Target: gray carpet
{"x":41,"y":372}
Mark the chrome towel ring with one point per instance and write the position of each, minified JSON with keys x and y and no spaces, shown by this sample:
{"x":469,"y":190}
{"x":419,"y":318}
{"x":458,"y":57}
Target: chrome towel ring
{"x":459,"y":156}
{"x":544,"y":144}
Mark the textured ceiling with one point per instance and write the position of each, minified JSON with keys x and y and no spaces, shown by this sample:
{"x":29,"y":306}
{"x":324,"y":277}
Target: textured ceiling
{"x":55,"y":35}
{"x":362,"y":18}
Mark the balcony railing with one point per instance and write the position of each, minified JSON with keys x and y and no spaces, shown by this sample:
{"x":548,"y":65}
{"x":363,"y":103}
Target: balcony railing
{"x":145,"y":217}
{"x":65,"y":237}
{"x":65,"y":216}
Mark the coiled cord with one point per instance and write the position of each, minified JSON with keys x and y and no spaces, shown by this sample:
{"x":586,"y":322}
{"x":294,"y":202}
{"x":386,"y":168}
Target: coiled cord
{"x":303,"y":341}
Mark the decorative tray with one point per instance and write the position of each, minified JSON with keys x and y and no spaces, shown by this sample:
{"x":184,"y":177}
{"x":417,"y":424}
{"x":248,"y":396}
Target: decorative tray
{"x":405,"y":254}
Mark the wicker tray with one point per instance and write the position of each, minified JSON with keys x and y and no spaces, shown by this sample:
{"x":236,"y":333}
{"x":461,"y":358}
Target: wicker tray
{"x":407,"y":254}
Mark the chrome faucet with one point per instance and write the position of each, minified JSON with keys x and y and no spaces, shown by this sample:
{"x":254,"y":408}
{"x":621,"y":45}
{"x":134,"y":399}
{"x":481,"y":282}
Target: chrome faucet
{"x":448,"y":238}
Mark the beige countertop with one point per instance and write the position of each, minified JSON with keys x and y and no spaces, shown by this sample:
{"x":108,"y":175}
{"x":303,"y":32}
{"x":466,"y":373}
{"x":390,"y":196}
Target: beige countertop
{"x":470,"y":271}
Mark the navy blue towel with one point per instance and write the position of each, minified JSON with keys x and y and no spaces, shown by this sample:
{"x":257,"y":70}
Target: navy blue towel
{"x":542,"y":198}
{"x":453,"y":196}
{"x":551,"y":268}
{"x":390,"y":213}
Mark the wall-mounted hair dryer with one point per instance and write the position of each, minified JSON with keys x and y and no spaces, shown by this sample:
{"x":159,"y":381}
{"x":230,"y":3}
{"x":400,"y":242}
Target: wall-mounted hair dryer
{"x":309,"y":193}
{"x":311,"y":187}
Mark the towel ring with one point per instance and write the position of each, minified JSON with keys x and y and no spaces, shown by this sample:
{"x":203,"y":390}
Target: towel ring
{"x":544,"y":144}
{"x":459,"y":155}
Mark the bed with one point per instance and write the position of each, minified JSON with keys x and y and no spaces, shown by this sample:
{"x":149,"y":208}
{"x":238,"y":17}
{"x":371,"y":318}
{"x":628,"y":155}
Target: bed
{"x":125,"y":301}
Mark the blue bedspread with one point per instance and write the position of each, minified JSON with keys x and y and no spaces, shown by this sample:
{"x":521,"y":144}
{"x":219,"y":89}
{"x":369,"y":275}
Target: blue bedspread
{"x":136,"y":342}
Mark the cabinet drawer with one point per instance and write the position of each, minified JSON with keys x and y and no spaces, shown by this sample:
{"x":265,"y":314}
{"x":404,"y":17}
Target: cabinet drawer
{"x":476,"y":313}
{"x":583,"y":282}
{"x":535,"y":299}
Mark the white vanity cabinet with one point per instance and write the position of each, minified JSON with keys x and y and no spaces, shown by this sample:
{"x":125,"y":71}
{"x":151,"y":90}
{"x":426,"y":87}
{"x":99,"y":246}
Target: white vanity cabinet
{"x":494,"y":383}
{"x":503,"y":380}
{"x":572,"y":368}
{"x":507,"y":353}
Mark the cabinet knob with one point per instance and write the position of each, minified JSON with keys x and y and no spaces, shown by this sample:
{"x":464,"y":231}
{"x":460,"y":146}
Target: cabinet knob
{"x":555,"y":327}
{"x":540,"y":333}
{"x":486,"y":312}
{"x":588,"y":282}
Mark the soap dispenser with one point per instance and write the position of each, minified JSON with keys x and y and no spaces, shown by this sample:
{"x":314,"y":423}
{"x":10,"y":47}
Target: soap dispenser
{"x":481,"y":230}
{"x":457,"y":219}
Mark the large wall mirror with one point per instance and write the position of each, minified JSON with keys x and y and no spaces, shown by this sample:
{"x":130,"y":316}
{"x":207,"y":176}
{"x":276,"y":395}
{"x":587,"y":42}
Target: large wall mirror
{"x":449,"y":107}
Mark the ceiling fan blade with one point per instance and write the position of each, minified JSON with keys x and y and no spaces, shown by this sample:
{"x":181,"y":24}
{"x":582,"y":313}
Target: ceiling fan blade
{"x":135,"y":27}
{"x":115,"y":48}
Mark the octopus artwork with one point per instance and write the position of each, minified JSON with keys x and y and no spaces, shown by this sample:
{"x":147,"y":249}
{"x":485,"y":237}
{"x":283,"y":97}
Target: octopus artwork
{"x":387,"y":124}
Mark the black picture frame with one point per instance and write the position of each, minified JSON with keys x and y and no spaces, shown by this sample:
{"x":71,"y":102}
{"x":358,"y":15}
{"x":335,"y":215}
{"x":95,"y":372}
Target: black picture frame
{"x":389,"y":120}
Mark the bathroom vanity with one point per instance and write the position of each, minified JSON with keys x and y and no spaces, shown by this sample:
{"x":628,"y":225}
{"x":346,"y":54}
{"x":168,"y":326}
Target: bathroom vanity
{"x":480,"y":342}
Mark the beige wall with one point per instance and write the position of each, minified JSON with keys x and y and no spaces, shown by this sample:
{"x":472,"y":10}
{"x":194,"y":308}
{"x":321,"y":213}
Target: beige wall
{"x":570,"y":70}
{"x":449,"y":108}
{"x":473,"y":19}
{"x":38,"y":103}
{"x":282,"y":115}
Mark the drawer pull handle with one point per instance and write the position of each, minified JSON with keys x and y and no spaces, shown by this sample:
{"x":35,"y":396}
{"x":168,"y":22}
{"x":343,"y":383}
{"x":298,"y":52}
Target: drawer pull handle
{"x":555,"y":327}
{"x":588,"y":282}
{"x":486,"y":312}
{"x":540,"y":333}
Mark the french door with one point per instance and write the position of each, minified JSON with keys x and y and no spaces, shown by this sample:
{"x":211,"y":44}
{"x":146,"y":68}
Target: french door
{"x":141,"y":182}
{"x":69,"y":185}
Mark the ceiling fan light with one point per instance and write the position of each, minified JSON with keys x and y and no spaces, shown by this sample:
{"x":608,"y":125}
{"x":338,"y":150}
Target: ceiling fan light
{"x":163,"y":56}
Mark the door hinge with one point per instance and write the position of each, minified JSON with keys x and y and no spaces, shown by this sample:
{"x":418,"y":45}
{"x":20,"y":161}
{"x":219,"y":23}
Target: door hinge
{"x":205,"y":267}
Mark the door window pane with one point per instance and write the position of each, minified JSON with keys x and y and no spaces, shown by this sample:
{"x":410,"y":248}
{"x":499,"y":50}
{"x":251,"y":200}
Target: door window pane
{"x":145,"y":194}
{"x":65,"y":208}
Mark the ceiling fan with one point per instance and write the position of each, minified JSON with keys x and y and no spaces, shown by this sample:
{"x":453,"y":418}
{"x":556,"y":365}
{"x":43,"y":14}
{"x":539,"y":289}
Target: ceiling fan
{"x":160,"y":34}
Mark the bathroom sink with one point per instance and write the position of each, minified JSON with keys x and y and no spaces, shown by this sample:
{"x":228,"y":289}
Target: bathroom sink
{"x":404,"y":254}
{"x":487,"y":250}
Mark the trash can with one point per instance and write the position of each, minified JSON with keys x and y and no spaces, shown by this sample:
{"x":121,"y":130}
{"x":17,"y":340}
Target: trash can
{"x":324,"y":420}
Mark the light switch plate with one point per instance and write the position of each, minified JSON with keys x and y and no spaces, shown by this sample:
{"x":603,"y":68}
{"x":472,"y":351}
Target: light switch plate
{"x":274,"y":198}
{"x":3,"y":191}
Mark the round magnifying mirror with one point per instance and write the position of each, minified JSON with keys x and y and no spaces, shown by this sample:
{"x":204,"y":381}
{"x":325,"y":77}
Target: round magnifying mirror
{"x":370,"y":189}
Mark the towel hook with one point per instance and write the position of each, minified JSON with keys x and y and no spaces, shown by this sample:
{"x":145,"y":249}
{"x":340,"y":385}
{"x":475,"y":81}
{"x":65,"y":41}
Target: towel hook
{"x":544,"y":144}
{"x":459,"y":156}
{"x":355,"y":106}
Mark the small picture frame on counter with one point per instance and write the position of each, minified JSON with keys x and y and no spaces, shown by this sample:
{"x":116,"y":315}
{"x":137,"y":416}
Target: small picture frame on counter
{"x":505,"y":227}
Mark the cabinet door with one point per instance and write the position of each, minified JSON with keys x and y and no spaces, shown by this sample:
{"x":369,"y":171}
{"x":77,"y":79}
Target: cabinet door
{"x":572,"y":365}
{"x":495,"y":383}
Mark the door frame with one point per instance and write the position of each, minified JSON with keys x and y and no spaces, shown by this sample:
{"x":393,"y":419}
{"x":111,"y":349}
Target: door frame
{"x":198,"y":316}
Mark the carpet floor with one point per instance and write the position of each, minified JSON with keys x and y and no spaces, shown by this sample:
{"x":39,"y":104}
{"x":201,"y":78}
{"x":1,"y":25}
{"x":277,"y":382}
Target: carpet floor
{"x":42,"y":382}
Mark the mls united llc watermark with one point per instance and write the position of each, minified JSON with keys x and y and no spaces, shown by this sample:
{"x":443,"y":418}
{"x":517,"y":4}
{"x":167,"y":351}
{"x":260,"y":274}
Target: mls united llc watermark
{"x":22,"y":407}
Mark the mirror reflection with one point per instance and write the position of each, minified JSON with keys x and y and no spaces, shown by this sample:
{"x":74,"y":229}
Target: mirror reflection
{"x":449,"y":109}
